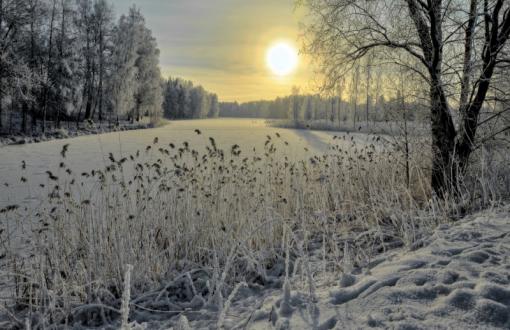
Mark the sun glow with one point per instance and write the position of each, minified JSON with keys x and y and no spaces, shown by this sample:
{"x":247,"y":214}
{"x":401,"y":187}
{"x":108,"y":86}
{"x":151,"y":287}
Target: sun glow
{"x":282,"y":59}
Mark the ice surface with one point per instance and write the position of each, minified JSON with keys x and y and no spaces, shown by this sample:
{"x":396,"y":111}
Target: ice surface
{"x":92,"y":151}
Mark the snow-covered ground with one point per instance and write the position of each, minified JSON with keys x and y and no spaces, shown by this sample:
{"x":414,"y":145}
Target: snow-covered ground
{"x":69,"y":130}
{"x":458,"y":278}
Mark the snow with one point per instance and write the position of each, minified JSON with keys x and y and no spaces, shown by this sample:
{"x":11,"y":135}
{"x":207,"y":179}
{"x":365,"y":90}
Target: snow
{"x":69,"y":130}
{"x":91,"y":152}
{"x":458,"y":279}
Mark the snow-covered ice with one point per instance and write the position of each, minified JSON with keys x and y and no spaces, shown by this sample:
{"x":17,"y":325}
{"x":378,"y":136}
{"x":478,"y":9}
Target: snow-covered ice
{"x":91,"y":152}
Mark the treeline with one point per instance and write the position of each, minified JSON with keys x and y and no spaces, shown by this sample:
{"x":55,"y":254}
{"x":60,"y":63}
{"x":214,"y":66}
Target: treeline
{"x":334,"y":109}
{"x":367,"y":93}
{"x":183,"y":100}
{"x":69,"y":60}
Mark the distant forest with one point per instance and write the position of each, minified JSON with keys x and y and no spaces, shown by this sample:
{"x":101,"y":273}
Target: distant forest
{"x":183,"y":100}
{"x":368,"y":93}
{"x":334,"y":109}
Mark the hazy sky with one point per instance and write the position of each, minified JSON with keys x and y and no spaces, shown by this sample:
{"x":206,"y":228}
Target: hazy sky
{"x":221,"y":44}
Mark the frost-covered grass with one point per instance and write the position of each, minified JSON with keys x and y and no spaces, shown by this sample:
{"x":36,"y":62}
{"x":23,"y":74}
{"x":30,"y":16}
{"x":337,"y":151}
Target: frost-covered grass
{"x":457,"y":278}
{"x":199,"y":226}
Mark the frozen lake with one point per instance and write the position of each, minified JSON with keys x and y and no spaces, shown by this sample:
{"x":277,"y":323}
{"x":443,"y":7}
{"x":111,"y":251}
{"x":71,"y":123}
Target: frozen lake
{"x":91,"y":152}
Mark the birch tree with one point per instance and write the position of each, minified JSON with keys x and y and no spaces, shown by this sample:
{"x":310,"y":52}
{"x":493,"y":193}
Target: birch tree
{"x":457,"y":47}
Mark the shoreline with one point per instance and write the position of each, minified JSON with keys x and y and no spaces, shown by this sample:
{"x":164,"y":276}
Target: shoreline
{"x":64,"y":133}
{"x":377,"y":128}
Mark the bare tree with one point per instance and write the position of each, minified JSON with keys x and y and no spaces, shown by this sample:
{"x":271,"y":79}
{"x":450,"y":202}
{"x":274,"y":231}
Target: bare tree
{"x":294,"y":105}
{"x":454,"y":51}
{"x":368,"y":80}
{"x":354,"y":94}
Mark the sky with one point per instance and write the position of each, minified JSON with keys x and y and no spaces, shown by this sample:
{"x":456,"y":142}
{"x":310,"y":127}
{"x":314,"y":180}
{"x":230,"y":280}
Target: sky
{"x":222,"y":44}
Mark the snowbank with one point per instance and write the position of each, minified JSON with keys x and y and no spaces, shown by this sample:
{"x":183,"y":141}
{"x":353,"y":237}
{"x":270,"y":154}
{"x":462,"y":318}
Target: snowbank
{"x":456,"y":279}
{"x":70,"y":132}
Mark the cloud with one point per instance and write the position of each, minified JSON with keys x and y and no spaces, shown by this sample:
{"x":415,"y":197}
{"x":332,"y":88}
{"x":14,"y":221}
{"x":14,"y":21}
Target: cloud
{"x":221,"y":44}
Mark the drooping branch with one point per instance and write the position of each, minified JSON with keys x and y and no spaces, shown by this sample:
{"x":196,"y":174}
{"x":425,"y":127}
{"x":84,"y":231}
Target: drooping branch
{"x":423,"y":30}
{"x":496,"y":35}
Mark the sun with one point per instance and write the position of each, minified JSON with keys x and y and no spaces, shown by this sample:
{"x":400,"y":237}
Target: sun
{"x":282,"y":59}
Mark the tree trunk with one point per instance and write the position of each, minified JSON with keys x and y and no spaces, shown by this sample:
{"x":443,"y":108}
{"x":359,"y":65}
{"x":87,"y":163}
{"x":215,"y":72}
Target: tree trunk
{"x":33,"y":116}
{"x":93,"y":92}
{"x":494,"y":40}
{"x":33,"y":65}
{"x":1,"y":67}
{"x":101,"y":71}
{"x":61,"y":69}
{"x":78,"y":118}
{"x":24,"y":117}
{"x":88,"y":107}
{"x":468,"y":55}
{"x":356,"y":81}
{"x":333,"y":111}
{"x":88,"y":77}
{"x":406,"y":130}
{"x":444,"y":176}
{"x":367,"y":109}
{"x":48,"y":67}
{"x":1,"y":92}
{"x":467,"y":134}
{"x":11,"y":114}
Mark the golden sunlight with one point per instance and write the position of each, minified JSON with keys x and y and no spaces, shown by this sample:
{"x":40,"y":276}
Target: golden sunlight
{"x":282,"y":58}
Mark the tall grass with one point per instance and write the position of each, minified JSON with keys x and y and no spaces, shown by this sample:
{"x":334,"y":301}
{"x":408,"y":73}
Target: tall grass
{"x":198,"y":224}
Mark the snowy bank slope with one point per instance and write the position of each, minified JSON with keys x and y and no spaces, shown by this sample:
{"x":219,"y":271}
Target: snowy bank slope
{"x":458,"y":279}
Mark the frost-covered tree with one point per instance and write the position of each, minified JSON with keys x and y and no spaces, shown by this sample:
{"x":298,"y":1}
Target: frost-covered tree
{"x":148,"y":96}
{"x":15,"y":78}
{"x":170,"y":99}
{"x":67,"y":60}
{"x":184,"y":100}
{"x":214,"y":111}
{"x":457,"y":48}
{"x":122,"y":84}
{"x":136,"y":79}
{"x":103,"y":28}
